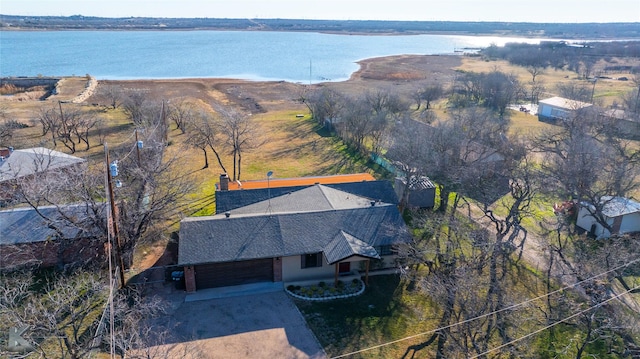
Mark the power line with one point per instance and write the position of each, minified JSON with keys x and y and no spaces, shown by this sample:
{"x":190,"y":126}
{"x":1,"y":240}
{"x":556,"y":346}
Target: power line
{"x":490,"y":313}
{"x":555,"y":323}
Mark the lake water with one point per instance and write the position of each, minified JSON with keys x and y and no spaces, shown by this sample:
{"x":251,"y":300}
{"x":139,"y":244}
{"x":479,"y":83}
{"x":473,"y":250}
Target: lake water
{"x":252,"y":55}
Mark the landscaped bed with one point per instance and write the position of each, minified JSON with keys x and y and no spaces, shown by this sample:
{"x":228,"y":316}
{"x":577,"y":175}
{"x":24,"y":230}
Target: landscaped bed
{"x":327,"y":291}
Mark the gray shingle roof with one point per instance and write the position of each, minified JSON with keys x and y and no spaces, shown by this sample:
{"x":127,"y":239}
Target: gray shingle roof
{"x":314,"y":198}
{"x":256,"y":233}
{"x":373,"y":190}
{"x":345,"y":245}
{"x":25,"y":225}
{"x":33,"y":160}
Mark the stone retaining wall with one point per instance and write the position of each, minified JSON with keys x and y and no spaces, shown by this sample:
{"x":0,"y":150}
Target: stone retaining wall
{"x":29,"y":81}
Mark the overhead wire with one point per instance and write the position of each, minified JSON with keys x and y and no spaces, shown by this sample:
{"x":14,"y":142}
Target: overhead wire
{"x":513,"y":306}
{"x":111,"y":278}
{"x":555,"y":323}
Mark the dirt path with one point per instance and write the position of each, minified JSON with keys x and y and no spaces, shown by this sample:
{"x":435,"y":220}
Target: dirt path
{"x":535,"y":253}
{"x":88,"y":91}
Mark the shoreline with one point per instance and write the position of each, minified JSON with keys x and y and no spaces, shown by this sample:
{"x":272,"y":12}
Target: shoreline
{"x":500,"y":34}
{"x":362,"y":65}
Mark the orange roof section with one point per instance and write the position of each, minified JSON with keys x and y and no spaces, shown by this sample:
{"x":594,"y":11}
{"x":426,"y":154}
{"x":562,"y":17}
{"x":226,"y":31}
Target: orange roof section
{"x":300,"y":181}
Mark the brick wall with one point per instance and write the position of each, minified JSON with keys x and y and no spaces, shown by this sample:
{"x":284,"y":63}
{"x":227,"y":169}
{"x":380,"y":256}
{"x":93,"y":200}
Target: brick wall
{"x":51,"y":253}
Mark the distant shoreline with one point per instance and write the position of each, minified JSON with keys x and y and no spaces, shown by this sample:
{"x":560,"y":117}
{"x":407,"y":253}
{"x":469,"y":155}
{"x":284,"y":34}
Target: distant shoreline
{"x":570,"y":31}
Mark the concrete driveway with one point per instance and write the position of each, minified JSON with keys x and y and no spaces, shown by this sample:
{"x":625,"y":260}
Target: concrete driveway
{"x":264,"y":325}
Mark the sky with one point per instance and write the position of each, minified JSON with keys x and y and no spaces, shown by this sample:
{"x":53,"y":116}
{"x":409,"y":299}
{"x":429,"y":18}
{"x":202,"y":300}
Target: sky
{"x":569,"y":11}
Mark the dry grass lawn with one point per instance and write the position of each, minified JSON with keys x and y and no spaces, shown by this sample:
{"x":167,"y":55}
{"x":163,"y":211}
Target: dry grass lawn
{"x":607,"y":91}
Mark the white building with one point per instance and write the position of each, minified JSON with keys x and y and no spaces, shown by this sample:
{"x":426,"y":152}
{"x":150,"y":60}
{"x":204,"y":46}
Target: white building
{"x":622,"y":214}
{"x":559,"y":108}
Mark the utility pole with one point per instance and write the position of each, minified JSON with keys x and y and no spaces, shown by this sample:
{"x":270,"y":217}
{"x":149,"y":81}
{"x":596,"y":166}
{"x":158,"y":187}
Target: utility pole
{"x":138,"y":149}
{"x":114,"y":220}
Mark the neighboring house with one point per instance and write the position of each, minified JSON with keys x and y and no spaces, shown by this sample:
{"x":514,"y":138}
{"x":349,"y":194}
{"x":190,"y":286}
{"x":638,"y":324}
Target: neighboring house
{"x":27,"y":239}
{"x":26,"y":164}
{"x":422,"y":192}
{"x":559,"y":109}
{"x":291,"y":234}
{"x":622,"y":214}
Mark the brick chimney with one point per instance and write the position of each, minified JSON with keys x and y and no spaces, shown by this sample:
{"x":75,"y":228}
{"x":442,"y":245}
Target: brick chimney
{"x":224,"y":182}
{"x":5,"y":152}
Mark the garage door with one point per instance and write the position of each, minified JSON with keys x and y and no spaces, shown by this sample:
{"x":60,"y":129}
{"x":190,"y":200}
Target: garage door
{"x":234,"y":273}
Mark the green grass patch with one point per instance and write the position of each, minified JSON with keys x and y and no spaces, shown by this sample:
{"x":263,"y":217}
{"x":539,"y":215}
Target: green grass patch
{"x":386,"y":311}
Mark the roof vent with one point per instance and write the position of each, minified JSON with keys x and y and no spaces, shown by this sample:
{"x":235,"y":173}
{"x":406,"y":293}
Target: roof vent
{"x":227,"y":214}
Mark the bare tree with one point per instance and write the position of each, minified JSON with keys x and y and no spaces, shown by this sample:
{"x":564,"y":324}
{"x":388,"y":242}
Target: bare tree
{"x":457,"y":256}
{"x":68,"y":126}
{"x":181,"y":113}
{"x":62,"y":317}
{"x":69,"y":316}
{"x":325,"y":106}
{"x":408,"y":149}
{"x":203,"y":133}
{"x":535,"y":89}
{"x":356,"y":123}
{"x":7,"y":127}
{"x":136,"y":106}
{"x":430,"y":94}
{"x":535,"y":71}
{"x":574,"y":91}
{"x":240,"y":135}
{"x":583,"y":161}
{"x":470,"y":142}
{"x":495,"y":90}
{"x":631,"y":101}
{"x":152,"y":193}
{"x":114,"y":94}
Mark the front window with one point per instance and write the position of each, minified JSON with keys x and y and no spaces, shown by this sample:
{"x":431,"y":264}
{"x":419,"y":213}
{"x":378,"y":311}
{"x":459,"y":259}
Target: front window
{"x":311,"y":260}
{"x":384,"y":250}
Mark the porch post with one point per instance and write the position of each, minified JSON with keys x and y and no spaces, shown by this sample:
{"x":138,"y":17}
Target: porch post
{"x":335,"y":280}
{"x":366,"y":276}
{"x":189,"y":279}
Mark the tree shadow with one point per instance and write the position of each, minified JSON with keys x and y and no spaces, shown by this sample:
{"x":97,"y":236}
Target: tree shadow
{"x":323,"y":131}
{"x":161,"y":271}
{"x":413,"y":349}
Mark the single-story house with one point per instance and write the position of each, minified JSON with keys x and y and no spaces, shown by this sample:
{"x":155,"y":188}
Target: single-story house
{"x":19,"y":165}
{"x":290,"y":234}
{"x":622,"y":214}
{"x":27,"y":239}
{"x":559,"y":108}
